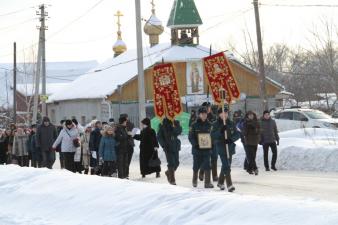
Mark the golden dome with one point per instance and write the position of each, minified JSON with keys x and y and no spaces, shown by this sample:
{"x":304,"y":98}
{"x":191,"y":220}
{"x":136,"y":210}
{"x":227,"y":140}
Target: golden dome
{"x":119,"y":47}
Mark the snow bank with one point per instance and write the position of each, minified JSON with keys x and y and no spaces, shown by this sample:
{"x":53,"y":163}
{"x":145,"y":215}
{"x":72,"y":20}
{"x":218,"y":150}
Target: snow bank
{"x":309,"y":149}
{"x":40,"y":196}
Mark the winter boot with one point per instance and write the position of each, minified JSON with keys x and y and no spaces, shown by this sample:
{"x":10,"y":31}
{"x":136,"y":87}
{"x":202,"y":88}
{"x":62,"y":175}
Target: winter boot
{"x":201,"y":175}
{"x":207,"y":181}
{"x":274,"y":168}
{"x":168,"y":175}
{"x":173,"y":180}
{"x":221,"y":181}
{"x":86,"y":171}
{"x":228,"y":180}
{"x":158,"y":175}
{"x":256,"y":172}
{"x":92,"y":171}
{"x":214,"y":170}
{"x":194,"y":179}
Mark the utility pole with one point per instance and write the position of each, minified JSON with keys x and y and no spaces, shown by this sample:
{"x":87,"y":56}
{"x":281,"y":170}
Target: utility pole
{"x":37,"y":85}
{"x":14,"y":84}
{"x":141,"y":92}
{"x":42,"y":41}
{"x":260,"y":58}
{"x":7,"y":97}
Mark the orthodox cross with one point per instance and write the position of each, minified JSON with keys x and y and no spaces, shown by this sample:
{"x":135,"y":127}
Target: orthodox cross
{"x":118,"y":15}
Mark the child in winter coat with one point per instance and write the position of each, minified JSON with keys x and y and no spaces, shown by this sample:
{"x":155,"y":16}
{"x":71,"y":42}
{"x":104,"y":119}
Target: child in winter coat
{"x":107,"y":152}
{"x":20,"y":147}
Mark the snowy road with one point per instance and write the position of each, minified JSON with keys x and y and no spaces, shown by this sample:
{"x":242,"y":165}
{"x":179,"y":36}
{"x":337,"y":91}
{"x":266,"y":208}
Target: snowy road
{"x":292,"y":184}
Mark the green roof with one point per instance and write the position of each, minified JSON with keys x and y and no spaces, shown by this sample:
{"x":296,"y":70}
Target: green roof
{"x":184,"y":14}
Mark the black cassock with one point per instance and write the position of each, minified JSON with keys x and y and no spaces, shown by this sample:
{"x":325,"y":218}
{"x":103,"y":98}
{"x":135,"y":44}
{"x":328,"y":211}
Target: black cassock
{"x":147,"y":150}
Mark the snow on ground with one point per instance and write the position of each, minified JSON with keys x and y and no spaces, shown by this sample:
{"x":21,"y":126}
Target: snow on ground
{"x":309,"y":149}
{"x":40,"y":197}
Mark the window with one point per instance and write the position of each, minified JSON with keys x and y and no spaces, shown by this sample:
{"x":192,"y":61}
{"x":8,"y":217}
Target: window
{"x":317,"y":115}
{"x":286,"y":116}
{"x":299,"y":116}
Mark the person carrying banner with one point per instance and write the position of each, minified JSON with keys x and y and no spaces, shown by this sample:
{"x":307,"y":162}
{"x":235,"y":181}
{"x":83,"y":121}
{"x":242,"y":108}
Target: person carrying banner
{"x":200,"y":139}
{"x":223,"y":142}
{"x":168,"y":138}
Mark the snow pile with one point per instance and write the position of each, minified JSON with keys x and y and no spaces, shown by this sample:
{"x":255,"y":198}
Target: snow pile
{"x":309,"y":149}
{"x":41,"y":196}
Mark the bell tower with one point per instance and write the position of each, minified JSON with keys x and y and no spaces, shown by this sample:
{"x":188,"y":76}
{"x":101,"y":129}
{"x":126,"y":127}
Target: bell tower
{"x":184,"y":21}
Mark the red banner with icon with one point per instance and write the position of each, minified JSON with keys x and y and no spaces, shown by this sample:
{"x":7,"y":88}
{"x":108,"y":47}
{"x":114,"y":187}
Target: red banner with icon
{"x":219,"y":75}
{"x":167,"y":100}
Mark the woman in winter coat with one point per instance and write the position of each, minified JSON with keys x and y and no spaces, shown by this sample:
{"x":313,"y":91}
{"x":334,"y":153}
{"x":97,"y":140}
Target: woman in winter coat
{"x":85,"y":138}
{"x":107,"y":152}
{"x":20,"y":147}
{"x":148,"y":149}
{"x":69,"y":138}
{"x":3,"y":147}
{"x":251,"y":132}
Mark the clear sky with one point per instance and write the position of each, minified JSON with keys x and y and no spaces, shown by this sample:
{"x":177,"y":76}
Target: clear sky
{"x":71,"y":37}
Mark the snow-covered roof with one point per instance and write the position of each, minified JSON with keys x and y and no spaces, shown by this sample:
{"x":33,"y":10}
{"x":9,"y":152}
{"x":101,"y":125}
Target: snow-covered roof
{"x":101,"y":81}
{"x":51,"y":88}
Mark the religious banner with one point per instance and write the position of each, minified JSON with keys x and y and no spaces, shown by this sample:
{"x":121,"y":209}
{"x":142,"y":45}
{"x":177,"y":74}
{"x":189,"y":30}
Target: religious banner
{"x":195,"y":84}
{"x":219,"y":74}
{"x":167,"y":100}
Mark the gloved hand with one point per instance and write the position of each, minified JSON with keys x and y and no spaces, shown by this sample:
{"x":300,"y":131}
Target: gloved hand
{"x":277,"y":142}
{"x":223,"y":129}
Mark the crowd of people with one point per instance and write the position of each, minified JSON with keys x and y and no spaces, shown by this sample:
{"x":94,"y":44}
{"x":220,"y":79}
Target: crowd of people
{"x":106,"y":148}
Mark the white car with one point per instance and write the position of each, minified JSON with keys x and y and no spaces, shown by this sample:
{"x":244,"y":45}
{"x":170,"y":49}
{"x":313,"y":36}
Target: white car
{"x":296,"y":118}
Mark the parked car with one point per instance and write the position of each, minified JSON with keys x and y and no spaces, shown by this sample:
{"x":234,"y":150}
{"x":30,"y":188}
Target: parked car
{"x":295,"y":118}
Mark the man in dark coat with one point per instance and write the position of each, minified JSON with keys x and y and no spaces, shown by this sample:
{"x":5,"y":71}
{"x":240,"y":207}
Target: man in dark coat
{"x":269,"y":139}
{"x":46,"y":134}
{"x":224,"y":143}
{"x":168,"y":138}
{"x":130,"y":127}
{"x":122,"y":137}
{"x":148,"y":149}
{"x":252,"y":135}
{"x":200,"y":139}
{"x":94,"y":145}
{"x":214,"y":156}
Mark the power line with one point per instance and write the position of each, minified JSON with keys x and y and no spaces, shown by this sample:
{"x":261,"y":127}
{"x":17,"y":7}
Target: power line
{"x":15,"y":25}
{"x":63,"y":28}
{"x":89,"y":72}
{"x":14,"y":12}
{"x":76,"y":19}
{"x":227,"y":20}
{"x":289,"y":5}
